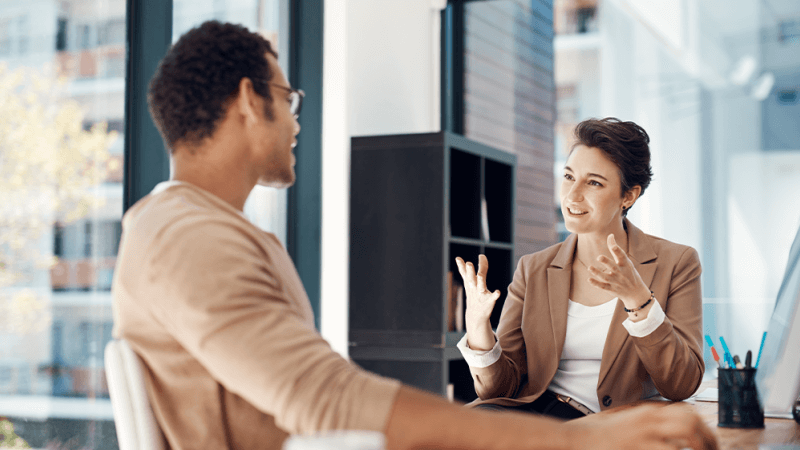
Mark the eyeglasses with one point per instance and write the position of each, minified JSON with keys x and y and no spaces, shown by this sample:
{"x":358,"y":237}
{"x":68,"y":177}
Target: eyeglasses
{"x":295,"y":98}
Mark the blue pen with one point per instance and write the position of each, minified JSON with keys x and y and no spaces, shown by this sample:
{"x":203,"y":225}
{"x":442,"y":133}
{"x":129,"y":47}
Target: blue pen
{"x":728,"y":356}
{"x":760,"y":348}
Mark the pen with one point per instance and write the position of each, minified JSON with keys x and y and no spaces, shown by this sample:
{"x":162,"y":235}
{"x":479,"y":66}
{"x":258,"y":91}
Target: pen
{"x":737,"y":362}
{"x":727,"y":355}
{"x":760,"y":348}
{"x":716,"y":357}
{"x":713,"y":351}
{"x":748,"y":359}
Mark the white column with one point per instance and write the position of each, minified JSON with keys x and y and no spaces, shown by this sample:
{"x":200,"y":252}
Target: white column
{"x":335,"y":178}
{"x":381,"y":67}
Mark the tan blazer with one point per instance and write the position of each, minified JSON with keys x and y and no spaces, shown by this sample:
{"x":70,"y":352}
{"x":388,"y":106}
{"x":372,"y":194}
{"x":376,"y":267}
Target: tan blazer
{"x":533,"y":327}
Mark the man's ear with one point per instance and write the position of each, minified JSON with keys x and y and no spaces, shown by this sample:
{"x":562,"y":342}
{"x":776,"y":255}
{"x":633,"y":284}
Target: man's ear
{"x":247,"y":102}
{"x":631,"y":196}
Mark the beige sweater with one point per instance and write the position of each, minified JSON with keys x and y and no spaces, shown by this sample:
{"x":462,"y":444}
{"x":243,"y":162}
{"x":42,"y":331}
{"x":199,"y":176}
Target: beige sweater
{"x":216,"y":310}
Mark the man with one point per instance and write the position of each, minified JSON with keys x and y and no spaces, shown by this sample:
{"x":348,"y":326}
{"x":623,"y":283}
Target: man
{"x":214,"y":306}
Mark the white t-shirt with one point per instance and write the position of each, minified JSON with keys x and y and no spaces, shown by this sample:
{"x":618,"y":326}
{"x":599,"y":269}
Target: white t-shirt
{"x":579,"y":368}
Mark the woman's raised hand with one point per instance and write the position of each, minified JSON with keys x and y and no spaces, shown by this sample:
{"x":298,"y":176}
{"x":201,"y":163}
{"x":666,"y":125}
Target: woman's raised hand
{"x":480,"y":303}
{"x":619,"y":276}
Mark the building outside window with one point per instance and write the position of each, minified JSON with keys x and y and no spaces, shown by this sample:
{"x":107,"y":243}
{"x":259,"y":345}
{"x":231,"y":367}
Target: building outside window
{"x":5,"y":36}
{"x":23,"y":39}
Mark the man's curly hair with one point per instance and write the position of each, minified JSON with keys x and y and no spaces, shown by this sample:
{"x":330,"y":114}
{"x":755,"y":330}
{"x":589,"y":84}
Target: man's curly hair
{"x":626,"y":144}
{"x":200,"y":74}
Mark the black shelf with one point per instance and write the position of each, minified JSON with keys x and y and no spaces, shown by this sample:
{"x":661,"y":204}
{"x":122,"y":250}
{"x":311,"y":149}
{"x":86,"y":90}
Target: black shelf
{"x":480,"y":243}
{"x":416,"y":204}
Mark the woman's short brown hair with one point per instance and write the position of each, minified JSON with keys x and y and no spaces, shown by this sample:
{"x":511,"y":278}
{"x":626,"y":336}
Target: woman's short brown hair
{"x":625,"y":144}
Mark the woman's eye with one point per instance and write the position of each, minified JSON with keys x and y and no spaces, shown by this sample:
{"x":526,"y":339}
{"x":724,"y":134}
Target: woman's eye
{"x":567,"y":176}
{"x":595,"y":183}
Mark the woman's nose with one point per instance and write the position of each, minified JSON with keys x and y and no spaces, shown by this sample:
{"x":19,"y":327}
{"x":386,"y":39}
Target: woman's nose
{"x":575,"y":193}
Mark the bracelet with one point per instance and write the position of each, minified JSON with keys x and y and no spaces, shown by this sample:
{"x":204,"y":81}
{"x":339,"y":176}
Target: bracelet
{"x":649,"y":300}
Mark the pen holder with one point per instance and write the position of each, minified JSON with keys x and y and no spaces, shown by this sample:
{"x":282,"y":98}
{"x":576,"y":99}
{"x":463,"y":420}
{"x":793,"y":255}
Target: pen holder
{"x":738,"y":399}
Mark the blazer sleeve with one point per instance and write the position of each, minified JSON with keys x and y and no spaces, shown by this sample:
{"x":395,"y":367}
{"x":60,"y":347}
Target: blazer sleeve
{"x":672,"y":354}
{"x":504,"y":377}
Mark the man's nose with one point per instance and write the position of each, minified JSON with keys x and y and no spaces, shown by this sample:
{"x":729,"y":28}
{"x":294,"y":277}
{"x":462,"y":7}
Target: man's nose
{"x":296,"y":127}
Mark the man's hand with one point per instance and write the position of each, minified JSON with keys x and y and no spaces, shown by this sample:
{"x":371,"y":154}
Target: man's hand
{"x":649,"y":427}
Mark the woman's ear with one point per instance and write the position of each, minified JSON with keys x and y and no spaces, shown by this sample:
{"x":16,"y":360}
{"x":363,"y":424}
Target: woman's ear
{"x":631,"y":196}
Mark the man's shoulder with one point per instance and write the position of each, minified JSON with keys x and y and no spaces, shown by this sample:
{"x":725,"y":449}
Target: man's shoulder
{"x":166,"y":227}
{"x":175,"y":211}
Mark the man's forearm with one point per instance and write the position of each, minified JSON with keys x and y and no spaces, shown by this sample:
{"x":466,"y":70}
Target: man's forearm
{"x":421,"y":420}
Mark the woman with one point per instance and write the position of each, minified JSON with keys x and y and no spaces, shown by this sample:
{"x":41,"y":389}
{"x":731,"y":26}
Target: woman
{"x":605,"y":318}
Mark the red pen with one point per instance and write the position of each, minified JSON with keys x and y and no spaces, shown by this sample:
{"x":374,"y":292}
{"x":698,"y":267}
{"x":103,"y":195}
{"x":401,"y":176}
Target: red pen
{"x":716,"y":357}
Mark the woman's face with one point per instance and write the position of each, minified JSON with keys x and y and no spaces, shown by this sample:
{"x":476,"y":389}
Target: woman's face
{"x":591,"y":199}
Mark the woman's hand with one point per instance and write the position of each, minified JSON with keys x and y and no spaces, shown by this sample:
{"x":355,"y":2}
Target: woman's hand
{"x":480,"y":303}
{"x":619,"y":277}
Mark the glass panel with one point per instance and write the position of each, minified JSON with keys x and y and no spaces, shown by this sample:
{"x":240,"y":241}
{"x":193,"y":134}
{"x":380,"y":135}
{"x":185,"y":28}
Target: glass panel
{"x":715,"y":84}
{"x":62,"y":96}
{"x":266,"y":207}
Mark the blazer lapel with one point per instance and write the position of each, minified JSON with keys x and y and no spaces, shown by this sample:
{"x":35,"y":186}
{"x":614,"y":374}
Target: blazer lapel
{"x":644,"y":260}
{"x":559,"y":275}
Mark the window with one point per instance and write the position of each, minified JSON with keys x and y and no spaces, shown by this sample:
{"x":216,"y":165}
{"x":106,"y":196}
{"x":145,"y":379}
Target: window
{"x":87,"y":239}
{"x":113,"y":65}
{"x":58,"y":240}
{"x":111,"y":32}
{"x":713,"y":84}
{"x":23,"y":34}
{"x":66,"y":202}
{"x":5,"y":36}
{"x":57,"y":256}
{"x":85,"y":36}
{"x":61,"y":34}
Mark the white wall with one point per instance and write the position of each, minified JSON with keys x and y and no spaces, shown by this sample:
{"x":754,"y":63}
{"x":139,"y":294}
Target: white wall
{"x":380,"y":76}
{"x":393,"y":66}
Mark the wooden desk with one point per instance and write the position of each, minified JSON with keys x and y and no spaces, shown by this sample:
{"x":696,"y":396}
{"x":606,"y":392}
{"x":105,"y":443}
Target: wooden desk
{"x":775,"y":431}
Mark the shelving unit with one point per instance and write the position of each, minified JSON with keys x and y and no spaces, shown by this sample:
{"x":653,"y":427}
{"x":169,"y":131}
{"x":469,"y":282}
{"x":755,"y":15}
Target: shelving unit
{"x":415,"y":205}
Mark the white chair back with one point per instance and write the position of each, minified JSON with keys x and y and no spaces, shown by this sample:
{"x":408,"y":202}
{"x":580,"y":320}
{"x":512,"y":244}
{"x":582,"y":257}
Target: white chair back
{"x":136,"y":425}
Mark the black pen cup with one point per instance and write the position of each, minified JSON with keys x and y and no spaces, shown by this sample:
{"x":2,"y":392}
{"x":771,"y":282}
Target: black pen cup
{"x":738,"y":399}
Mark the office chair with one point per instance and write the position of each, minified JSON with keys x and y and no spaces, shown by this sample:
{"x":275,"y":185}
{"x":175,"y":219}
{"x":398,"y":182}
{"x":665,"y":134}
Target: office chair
{"x":136,"y":425}
{"x":137,"y":428}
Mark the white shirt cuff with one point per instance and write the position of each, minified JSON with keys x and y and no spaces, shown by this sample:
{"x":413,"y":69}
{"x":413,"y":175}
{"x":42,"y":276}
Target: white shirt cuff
{"x":655,"y":317}
{"x":479,"y":359}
